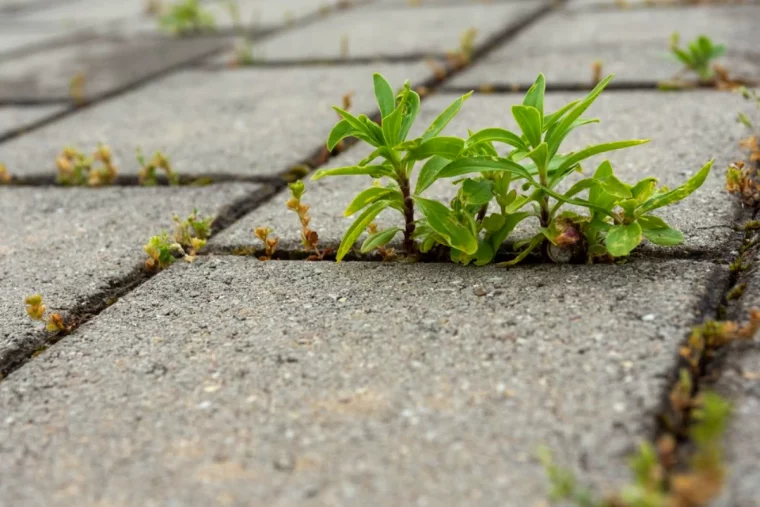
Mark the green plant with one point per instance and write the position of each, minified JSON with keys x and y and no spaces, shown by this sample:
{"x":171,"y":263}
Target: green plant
{"x":309,"y":237}
{"x":5,"y":176}
{"x":270,"y":242}
{"x":162,"y":252}
{"x":77,"y":169}
{"x":190,"y":235}
{"x":186,"y":16}
{"x":751,"y":96}
{"x":147,"y":174}
{"x":36,"y":310}
{"x":698,"y":55}
{"x":619,"y":215}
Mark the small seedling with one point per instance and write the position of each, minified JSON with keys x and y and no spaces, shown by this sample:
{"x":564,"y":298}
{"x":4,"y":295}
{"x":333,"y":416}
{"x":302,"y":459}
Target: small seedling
{"x":751,"y":96}
{"x":463,"y":54}
{"x":619,"y":214}
{"x":706,"y":338}
{"x":5,"y":176}
{"x":698,"y":55}
{"x":77,"y":169}
{"x":147,"y":175}
{"x":77,"y":86}
{"x":162,"y":252}
{"x":347,"y":101}
{"x":186,"y":16}
{"x":270,"y":242}
{"x":309,"y":237}
{"x":596,"y":71}
{"x":244,"y":44}
{"x":741,"y":181}
{"x":192,"y":233}
{"x":36,"y":310}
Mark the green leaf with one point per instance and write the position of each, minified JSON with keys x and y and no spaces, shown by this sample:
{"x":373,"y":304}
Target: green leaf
{"x":411,"y":108}
{"x":677,"y":194}
{"x":590,"y":151}
{"x":444,"y":118}
{"x":384,"y":93}
{"x":392,"y":127}
{"x":529,"y":120}
{"x":379,"y":239}
{"x":559,"y":131}
{"x":477,"y":192}
{"x":510,"y":222}
{"x":446,"y":147}
{"x":376,"y":171}
{"x":643,"y":190}
{"x":480,"y":165}
{"x":370,"y":195}
{"x":551,"y":119}
{"x":535,"y":96}
{"x":622,"y":239}
{"x":540,"y":157}
{"x":429,"y":173}
{"x":497,"y":135}
{"x":356,"y":228}
{"x":615,"y":187}
{"x":342,"y":130}
{"x":383,"y":151}
{"x":443,"y":221}
{"x":361,"y":126}
{"x":494,"y":222}
{"x":658,"y":232}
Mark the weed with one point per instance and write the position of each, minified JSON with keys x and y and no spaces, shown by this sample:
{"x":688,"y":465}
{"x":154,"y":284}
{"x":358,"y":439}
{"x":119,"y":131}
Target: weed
{"x":736,"y":292}
{"x":752,"y":96}
{"x":162,"y":252}
{"x":147,"y":174}
{"x":697,"y":56}
{"x":309,"y":237}
{"x":77,"y":85}
{"x":186,"y":16}
{"x":706,"y":338}
{"x":5,"y":176}
{"x":596,"y":71}
{"x":36,"y":310}
{"x":244,"y":43}
{"x":347,"y":100}
{"x":741,"y":181}
{"x":463,"y":54}
{"x":190,"y":235}
{"x":376,"y":241}
{"x":270,"y":242}
{"x":619,"y":214}
{"x":438,"y":69}
{"x":77,"y":169}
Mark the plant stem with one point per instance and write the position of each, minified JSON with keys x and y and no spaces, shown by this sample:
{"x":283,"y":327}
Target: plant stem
{"x":408,"y":244}
{"x":482,"y":213}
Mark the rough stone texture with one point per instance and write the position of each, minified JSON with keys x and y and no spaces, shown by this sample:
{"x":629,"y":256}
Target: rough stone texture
{"x":632,"y":44}
{"x":15,"y":118}
{"x":687,"y":130}
{"x":232,"y":381}
{"x":107,"y":63}
{"x":250,"y":122}
{"x":430,"y":31}
{"x":68,"y":244}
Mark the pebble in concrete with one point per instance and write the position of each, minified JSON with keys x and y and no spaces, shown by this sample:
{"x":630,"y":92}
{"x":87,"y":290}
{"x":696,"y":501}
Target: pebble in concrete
{"x":17,"y":118}
{"x":103,"y":64}
{"x":70,"y":244}
{"x":633,"y":44}
{"x":686,"y":131}
{"x":253,"y":122}
{"x":357,"y":33}
{"x":232,"y":381}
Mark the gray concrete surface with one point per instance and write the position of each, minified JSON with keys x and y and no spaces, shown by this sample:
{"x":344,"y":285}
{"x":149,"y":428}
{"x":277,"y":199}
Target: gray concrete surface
{"x":430,"y":31}
{"x":687,"y":130}
{"x":250,"y":122}
{"x":633,"y":44}
{"x":15,"y":118}
{"x":69,"y":244}
{"x":104,"y":64}
{"x":18,"y":37}
{"x":237,"y":382}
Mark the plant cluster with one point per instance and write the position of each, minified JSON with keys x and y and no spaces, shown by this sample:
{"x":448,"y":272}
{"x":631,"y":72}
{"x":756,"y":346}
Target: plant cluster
{"x":270,"y":242}
{"x":5,"y":176}
{"x":186,"y":16}
{"x":463,"y":54}
{"x":36,"y":310}
{"x":77,"y":169}
{"x":496,"y":193}
{"x":309,"y":237}
{"x":190,"y":235}
{"x":148,"y":169}
{"x":698,"y":57}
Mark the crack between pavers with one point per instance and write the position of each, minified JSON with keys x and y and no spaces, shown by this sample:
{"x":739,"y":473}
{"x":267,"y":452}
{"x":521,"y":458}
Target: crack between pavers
{"x":132,"y":180}
{"x":579,"y":86}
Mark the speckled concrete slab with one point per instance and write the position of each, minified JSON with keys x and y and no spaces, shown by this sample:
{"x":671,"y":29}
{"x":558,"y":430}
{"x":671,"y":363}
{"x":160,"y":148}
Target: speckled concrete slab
{"x":253,"y":122}
{"x":356,"y":33}
{"x":633,"y":44}
{"x":686,"y":131}
{"x":68,"y":244}
{"x":232,"y":381}
{"x":102,"y":64}
{"x":17,"y":118}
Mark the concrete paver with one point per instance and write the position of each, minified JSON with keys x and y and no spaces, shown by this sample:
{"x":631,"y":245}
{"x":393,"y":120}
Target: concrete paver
{"x":357,"y":33}
{"x":232,"y":381}
{"x":255,"y":121}
{"x":16,"y":118}
{"x":68,"y":244}
{"x":633,"y":44}
{"x":686,"y":131}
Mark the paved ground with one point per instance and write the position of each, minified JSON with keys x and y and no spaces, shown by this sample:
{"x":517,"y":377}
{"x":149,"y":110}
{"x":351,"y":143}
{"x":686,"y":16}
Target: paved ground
{"x":230,"y":381}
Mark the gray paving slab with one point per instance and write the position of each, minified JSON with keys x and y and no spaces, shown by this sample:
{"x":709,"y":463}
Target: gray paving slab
{"x":68,"y":244}
{"x":251,"y":122}
{"x":18,"y":38}
{"x":357,"y":33}
{"x":686,"y":131}
{"x":17,"y":118}
{"x":85,"y":13}
{"x":106,"y":63}
{"x":265,"y":14}
{"x":232,"y":381}
{"x":633,"y":44}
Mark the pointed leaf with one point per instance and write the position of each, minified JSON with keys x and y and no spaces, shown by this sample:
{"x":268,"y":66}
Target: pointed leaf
{"x":477,"y":192}
{"x":443,"y":221}
{"x":342,"y":130}
{"x":497,"y":135}
{"x":379,"y":239}
{"x":535,"y":96}
{"x":445,"y":117}
{"x":356,"y":228}
{"x":359,"y":125}
{"x":677,"y":194}
{"x":370,"y":195}
{"x":446,"y":147}
{"x":529,"y":120}
{"x":658,"y":232}
{"x":480,"y":165}
{"x":376,"y":171}
{"x":411,"y":108}
{"x":590,"y":151}
{"x":429,"y":173}
{"x":386,"y":100}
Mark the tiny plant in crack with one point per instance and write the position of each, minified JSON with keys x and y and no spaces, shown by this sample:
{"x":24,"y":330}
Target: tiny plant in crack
{"x":190,"y":235}
{"x":699,"y":58}
{"x":619,"y":214}
{"x":270,"y":242}
{"x":37,"y":310}
{"x":148,"y":169}
{"x":185,"y":17}
{"x":5,"y":175}
{"x":77,"y":169}
{"x":309,"y":237}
